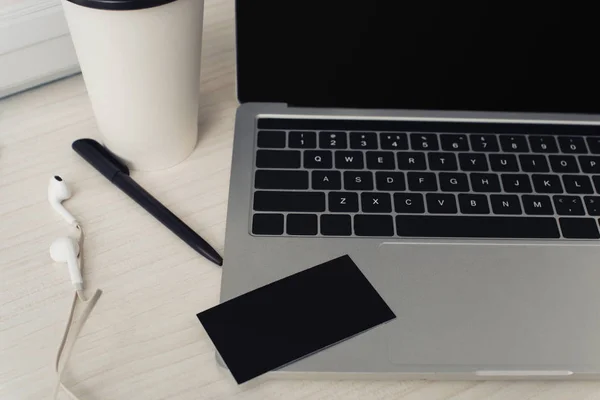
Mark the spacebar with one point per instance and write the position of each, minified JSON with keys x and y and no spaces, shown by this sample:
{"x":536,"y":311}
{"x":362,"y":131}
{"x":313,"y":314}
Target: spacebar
{"x":477,"y":227}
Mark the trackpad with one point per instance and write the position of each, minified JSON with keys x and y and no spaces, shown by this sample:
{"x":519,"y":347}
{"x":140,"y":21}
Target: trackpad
{"x":488,"y":306}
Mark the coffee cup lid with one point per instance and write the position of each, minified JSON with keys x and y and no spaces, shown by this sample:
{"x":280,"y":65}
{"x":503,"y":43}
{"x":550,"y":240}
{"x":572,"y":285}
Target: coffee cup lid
{"x":120,"y":4}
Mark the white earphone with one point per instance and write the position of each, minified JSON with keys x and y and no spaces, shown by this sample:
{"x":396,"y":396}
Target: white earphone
{"x":58,"y":191}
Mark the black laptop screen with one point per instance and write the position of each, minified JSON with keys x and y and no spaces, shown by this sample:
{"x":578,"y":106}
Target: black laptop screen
{"x":445,"y":55}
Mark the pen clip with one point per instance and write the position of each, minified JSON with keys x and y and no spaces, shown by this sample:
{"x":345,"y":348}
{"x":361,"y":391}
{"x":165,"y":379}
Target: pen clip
{"x":99,"y":157}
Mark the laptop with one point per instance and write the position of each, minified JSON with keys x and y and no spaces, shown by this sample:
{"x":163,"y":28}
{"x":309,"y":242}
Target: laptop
{"x":453,"y":152}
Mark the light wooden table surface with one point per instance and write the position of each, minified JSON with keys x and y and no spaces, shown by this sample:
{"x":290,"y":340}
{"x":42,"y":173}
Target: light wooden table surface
{"x":143,"y":341}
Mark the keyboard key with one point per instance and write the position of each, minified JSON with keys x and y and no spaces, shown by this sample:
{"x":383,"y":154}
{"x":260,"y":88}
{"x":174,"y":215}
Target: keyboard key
{"x":484,"y":143}
{"x":363,"y":140}
{"x":473,"y":162}
{"x":453,"y":182}
{"x":590,"y":164}
{"x":349,"y":160}
{"x":486,"y":183}
{"x":278,"y":159}
{"x":301,"y":224}
{"x":289,"y":201}
{"x":442,"y":162}
{"x":596,"y":180}
{"x":303,"y":140}
{"x":336,"y":225}
{"x":380,"y":160}
{"x":592,"y":203}
{"x":422,"y":182}
{"x":393,"y":141}
{"x":276,"y":179}
{"x":454,"y":142}
{"x":577,"y":184}
{"x":373,"y":225}
{"x":516,"y":183}
{"x":594,"y":144}
{"x":332,"y":140}
{"x":272,"y":139}
{"x":477,"y":227}
{"x":343,"y":202}
{"x":537,"y":205}
{"x":411,"y":161}
{"x":267,"y":224}
{"x":318,"y":159}
{"x":424,"y":141}
{"x":473,"y":204}
{"x":579,"y":228}
{"x":409,"y":203}
{"x":441,"y":203}
{"x":390,"y":181}
{"x":543,"y":144}
{"x":568,"y":205}
{"x":534,"y":163}
{"x":570,"y":144}
{"x":564,"y":164}
{"x":358,"y":180}
{"x":375,"y":202}
{"x":547,"y":183}
{"x":326,"y":180}
{"x":505,"y":204}
{"x":514,"y":143}
{"x":504,"y":163}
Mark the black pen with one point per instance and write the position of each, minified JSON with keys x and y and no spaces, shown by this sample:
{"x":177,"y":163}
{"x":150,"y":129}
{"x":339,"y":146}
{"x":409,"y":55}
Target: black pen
{"x":118,"y":173}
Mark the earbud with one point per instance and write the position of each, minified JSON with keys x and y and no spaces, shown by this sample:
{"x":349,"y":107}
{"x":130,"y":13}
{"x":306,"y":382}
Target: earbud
{"x":65,"y":249}
{"x":58,"y":191}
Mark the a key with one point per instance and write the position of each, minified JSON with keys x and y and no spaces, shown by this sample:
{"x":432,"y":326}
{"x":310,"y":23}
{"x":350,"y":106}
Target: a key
{"x":568,"y":205}
{"x":271,"y":139}
{"x":594,"y":144}
{"x":393,"y":141}
{"x":363,"y":140}
{"x":473,"y":204}
{"x":547,"y":183}
{"x":424,"y":141}
{"x":373,"y":225}
{"x":390,"y":181}
{"x":380,"y":160}
{"x":336,"y":225}
{"x":507,"y":204}
{"x":537,"y":205}
{"x":289,"y":201}
{"x":486,"y":183}
{"x":409,"y":203}
{"x":438,"y":203}
{"x":442,"y":162}
{"x":349,"y":160}
{"x":534,"y":163}
{"x":343,"y":202}
{"x":326,"y":180}
{"x":572,"y":144}
{"x":592,"y":204}
{"x":473,"y":162}
{"x":277,"y":179}
{"x":302,"y":140}
{"x":543,"y":144}
{"x":596,"y":180}
{"x":454,"y":142}
{"x":504,"y":163}
{"x":372,"y":202}
{"x":318,"y":159}
{"x":358,"y":180}
{"x":301,"y":224}
{"x":590,"y":164}
{"x":484,"y":143}
{"x":422,"y":182}
{"x":453,"y":182}
{"x":278,"y":159}
{"x":577,"y":184}
{"x":564,"y":164}
{"x":409,"y":161}
{"x":579,"y":228}
{"x":516,"y":183}
{"x":267,"y":224}
{"x":514,"y":143}
{"x":332,"y":140}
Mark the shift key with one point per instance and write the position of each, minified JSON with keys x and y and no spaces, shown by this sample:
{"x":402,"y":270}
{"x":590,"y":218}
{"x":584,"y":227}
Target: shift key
{"x":289,"y":201}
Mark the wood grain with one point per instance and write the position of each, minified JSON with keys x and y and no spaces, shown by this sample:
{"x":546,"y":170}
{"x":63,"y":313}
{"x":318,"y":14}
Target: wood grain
{"x":143,"y":341}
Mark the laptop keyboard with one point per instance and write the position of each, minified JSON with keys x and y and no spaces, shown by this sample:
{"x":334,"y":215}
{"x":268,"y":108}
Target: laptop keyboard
{"x":410,"y":183}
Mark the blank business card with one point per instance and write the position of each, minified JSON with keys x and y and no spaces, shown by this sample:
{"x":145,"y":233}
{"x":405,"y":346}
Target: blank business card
{"x":294,"y":317}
